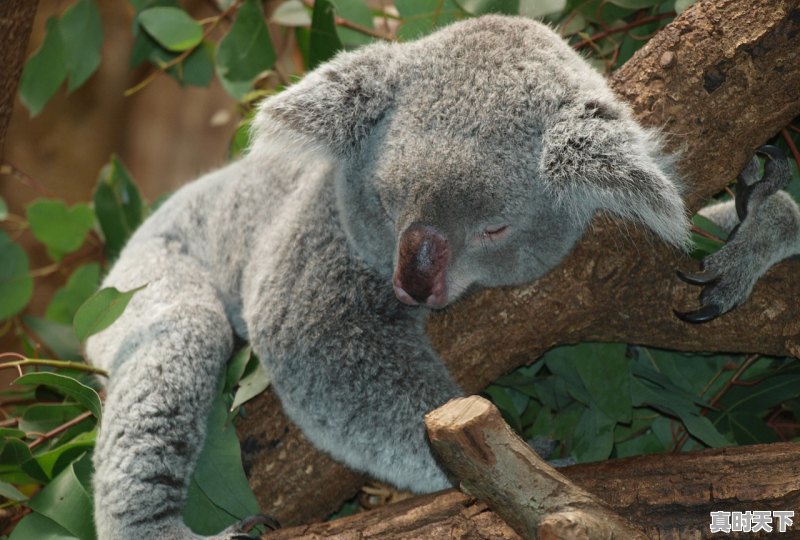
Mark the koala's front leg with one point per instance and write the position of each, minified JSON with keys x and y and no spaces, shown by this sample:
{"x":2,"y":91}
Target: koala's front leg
{"x":357,"y":375}
{"x":165,"y":355}
{"x":765,"y":228}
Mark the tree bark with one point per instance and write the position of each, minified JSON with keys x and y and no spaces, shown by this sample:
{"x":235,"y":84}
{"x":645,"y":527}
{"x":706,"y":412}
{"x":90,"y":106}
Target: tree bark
{"x":669,"y":496}
{"x":719,"y":80}
{"x":16,"y":21}
{"x":494,"y":465}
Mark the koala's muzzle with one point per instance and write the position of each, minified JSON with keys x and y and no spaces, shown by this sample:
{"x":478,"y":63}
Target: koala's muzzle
{"x":420,"y":275}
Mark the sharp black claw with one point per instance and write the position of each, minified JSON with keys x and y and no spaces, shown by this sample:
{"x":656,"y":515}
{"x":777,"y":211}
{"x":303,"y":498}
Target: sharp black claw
{"x":704,"y":314}
{"x":771,"y":152}
{"x":697,"y":278}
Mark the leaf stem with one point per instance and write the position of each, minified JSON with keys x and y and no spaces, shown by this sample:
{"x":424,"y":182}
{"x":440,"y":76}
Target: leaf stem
{"x":591,"y":40}
{"x":61,"y":364}
{"x":60,"y":429}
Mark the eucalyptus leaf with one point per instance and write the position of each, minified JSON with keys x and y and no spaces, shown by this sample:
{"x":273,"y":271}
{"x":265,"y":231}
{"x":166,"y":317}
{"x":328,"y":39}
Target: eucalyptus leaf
{"x":172,"y":27}
{"x":324,"y":41}
{"x":66,"y":386}
{"x":10,"y":492}
{"x":221,"y":495}
{"x":246,"y":50}
{"x":101,"y":310}
{"x":82,"y":36}
{"x":16,"y":284}
{"x":44,"y":71}
{"x":3,"y":209}
{"x":482,"y":7}
{"x":81,"y":285}
{"x":250,"y":386}
{"x":61,"y":229}
{"x":59,"y":338}
{"x":291,"y":13}
{"x":36,"y":526}
{"x":67,"y":500}
{"x":117,"y":205}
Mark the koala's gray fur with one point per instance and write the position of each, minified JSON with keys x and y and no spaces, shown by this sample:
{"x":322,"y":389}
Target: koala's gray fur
{"x":489,"y":123}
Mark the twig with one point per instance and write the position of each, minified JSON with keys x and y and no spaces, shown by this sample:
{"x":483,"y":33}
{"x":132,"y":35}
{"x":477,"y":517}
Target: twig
{"x":8,"y":168}
{"x":60,"y":429}
{"x":63,"y":364}
{"x":791,"y":145}
{"x":350,"y":25}
{"x":605,"y":33}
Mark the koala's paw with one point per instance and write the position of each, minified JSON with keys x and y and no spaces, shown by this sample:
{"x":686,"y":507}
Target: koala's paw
{"x":728,"y":275}
{"x":242,"y":530}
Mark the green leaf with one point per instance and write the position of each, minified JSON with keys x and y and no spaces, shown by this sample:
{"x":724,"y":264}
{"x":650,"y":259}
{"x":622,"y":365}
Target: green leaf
{"x":3,"y":209}
{"x":481,"y":7}
{"x":683,"y":5}
{"x":172,"y":27}
{"x":250,"y":386}
{"x":41,"y":528}
{"x":246,"y":50}
{"x":504,"y":402}
{"x":17,"y":464}
{"x":594,"y":436}
{"x":220,"y":494}
{"x":236,"y":367}
{"x":59,"y":338}
{"x":10,"y":492}
{"x":101,"y":310}
{"x":144,"y":46}
{"x":16,"y":285}
{"x":82,"y":35}
{"x":54,"y":461}
{"x":291,"y":13}
{"x":606,"y":374}
{"x":324,"y":42}
{"x":117,"y":205}
{"x":66,"y":386}
{"x":241,"y":138}
{"x":67,"y":500}
{"x":536,"y":9}
{"x":197,"y":69}
{"x":44,"y":71}
{"x":61,"y":229}
{"x":80,"y":286}
{"x":43,"y":417}
{"x":421,"y":17}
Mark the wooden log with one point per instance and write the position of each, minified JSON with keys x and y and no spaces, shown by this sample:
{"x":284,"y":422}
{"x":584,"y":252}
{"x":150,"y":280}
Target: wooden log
{"x":495,"y":466}
{"x":669,"y":495}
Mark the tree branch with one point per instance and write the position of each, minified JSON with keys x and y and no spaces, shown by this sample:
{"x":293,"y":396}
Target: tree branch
{"x":16,"y":21}
{"x":719,"y":80}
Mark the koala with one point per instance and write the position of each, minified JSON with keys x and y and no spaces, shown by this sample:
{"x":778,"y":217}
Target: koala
{"x":390,"y":181}
{"x":764,"y":228}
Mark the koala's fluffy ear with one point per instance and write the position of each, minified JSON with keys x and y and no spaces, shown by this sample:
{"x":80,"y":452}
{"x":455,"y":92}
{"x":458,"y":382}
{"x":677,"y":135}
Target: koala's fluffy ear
{"x":599,"y":159}
{"x":336,"y":105}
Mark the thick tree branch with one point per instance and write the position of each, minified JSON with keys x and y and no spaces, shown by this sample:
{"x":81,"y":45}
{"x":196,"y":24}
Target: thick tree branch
{"x":720,"y":79}
{"x":16,"y":20}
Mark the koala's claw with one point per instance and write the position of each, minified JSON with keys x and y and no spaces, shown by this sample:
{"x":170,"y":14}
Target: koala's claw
{"x":704,"y":314}
{"x":697,"y":278}
{"x":241,"y":530}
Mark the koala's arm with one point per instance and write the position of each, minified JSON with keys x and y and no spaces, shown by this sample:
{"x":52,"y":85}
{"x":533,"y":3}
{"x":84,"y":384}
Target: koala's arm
{"x":165,"y":355}
{"x":764,"y":223}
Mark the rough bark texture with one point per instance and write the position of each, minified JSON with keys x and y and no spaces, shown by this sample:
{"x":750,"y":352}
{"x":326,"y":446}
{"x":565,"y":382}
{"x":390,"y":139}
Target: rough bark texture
{"x":669,"y":496}
{"x":495,"y":466}
{"x":16,"y":20}
{"x":722,"y":78}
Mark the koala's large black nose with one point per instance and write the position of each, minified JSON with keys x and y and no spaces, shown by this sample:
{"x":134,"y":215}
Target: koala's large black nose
{"x":420,"y":275}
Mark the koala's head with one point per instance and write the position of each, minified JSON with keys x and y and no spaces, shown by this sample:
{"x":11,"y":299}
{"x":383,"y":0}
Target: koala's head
{"x":475,"y":156}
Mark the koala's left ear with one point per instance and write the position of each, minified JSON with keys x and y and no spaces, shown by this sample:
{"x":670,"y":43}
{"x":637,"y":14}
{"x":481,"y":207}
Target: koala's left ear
{"x":337,"y":104}
{"x":602,"y":160}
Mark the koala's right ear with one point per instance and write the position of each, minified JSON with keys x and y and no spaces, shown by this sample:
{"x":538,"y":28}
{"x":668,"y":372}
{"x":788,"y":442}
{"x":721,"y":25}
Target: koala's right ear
{"x":336,"y":105}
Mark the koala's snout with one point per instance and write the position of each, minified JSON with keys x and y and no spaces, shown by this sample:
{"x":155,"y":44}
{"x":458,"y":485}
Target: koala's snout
{"x":421,"y":272}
